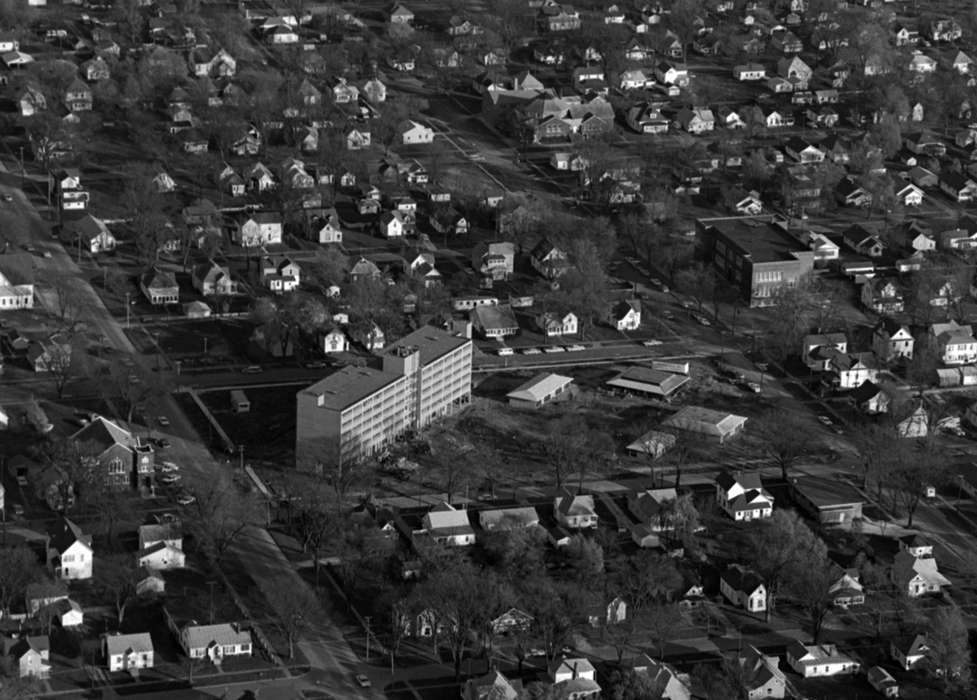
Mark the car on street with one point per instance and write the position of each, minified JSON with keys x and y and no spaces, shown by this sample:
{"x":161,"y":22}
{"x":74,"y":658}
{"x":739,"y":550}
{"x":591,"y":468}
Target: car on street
{"x":316,"y":364}
{"x":160,"y":443}
{"x":531,"y":351}
{"x":668,"y":314}
{"x":651,"y":343}
{"x":574,"y":348}
{"x":164,"y":421}
{"x":363,"y":681}
{"x":553,"y":348}
{"x":186,"y":499}
{"x":169,"y":478}
{"x":252,"y":369}
{"x":825,"y":420}
{"x":752,"y":386}
{"x":701,"y":320}
{"x":18,"y":510}
{"x":505,"y":352}
{"x":168,"y":467}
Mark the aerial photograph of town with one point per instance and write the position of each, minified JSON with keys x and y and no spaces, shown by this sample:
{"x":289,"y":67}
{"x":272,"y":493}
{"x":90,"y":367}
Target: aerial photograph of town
{"x":488,"y":349}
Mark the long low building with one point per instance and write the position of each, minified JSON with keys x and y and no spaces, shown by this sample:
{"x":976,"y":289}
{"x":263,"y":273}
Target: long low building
{"x":716,"y":425}
{"x":831,"y":501}
{"x":648,"y":381}
{"x":540,"y":390}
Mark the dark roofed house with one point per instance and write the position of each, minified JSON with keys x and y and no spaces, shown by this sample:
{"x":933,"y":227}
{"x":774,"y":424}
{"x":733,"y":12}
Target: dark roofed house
{"x":742,"y":496}
{"x":743,"y":588}
{"x":125,"y":461}
{"x":644,"y":380}
{"x":495,"y":320}
{"x":160,"y":287}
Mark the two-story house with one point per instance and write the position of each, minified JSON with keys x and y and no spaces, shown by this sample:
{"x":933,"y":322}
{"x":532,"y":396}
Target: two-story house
{"x":742,"y":496}
{"x":259,"y":229}
{"x":69,"y":551}
{"x":211,"y":279}
{"x":892,"y":341}
{"x":883,"y":296}
{"x":954,"y":342}
{"x":553,"y":325}
{"x":280,"y":275}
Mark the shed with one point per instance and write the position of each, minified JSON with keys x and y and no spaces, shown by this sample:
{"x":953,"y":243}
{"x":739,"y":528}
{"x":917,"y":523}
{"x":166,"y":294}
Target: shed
{"x":240,"y":402}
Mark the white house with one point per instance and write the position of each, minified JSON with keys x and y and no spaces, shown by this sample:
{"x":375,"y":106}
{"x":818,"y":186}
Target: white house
{"x":16,"y":281}
{"x":626,"y":315}
{"x":280,"y":275}
{"x":161,"y":556}
{"x":214,"y":642}
{"x":448,"y":525}
{"x":892,"y":340}
{"x":259,"y":229}
{"x":742,"y":496}
{"x":70,"y":551}
{"x":917,"y":576}
{"x":335,"y":341}
{"x":412,"y":132}
{"x":743,"y":588}
{"x":909,"y":652}
{"x":553,"y":325}
{"x":955,"y":343}
{"x":128,"y":652}
{"x":820,"y":660}
{"x":575,"y":512}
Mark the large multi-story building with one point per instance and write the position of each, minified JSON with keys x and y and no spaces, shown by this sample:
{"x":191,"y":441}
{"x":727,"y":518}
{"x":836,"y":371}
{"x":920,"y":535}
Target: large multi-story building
{"x":756,"y":255}
{"x":357,"y":411}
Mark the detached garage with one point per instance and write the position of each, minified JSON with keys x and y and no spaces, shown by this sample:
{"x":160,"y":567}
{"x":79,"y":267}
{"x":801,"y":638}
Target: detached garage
{"x":831,"y":502}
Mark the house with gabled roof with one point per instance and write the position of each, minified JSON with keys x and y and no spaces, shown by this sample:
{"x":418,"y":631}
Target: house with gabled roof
{"x":917,"y":576}
{"x":743,"y":588}
{"x":742,"y":496}
{"x":492,"y":686}
{"x":160,"y":287}
{"x":548,"y":260}
{"x":851,"y":370}
{"x":30,"y":654}
{"x":820,"y":660}
{"x":280,"y":274}
{"x":706,"y":423}
{"x":448,"y":525}
{"x":909,"y":652}
{"x":625,"y":315}
{"x":575,"y":512}
{"x":955,"y":342}
{"x":92,"y":232}
{"x":212,"y":279}
{"x":883,"y":296}
{"x":695,"y":120}
{"x":761,"y":676}
{"x":16,"y":281}
{"x":214,"y":642}
{"x":69,"y":551}
{"x":892,"y":340}
{"x":847,"y":590}
{"x":258,"y":229}
{"x":128,"y":652}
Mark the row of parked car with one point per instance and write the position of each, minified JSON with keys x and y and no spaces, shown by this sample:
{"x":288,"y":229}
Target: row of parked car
{"x":506,"y":351}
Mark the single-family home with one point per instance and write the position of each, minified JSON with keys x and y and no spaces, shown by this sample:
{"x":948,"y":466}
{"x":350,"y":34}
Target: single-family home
{"x":892,"y":340}
{"x":548,"y":260}
{"x":646,"y":118}
{"x":870,"y":398}
{"x":760,"y":674}
{"x":820,"y":660}
{"x":160,"y":287}
{"x":957,"y":185}
{"x":448,"y":525}
{"x":335,"y":341}
{"x":16,"y":281}
{"x":575,"y":512}
{"x":506,"y":519}
{"x":493,"y":685}
{"x":749,"y":72}
{"x":29,"y":655}
{"x":909,"y":652}
{"x":917,"y":576}
{"x":280,"y":275}
{"x":955,"y":343}
{"x":625,"y":315}
{"x":882,"y":296}
{"x":128,"y":652}
{"x":743,"y":588}
{"x":909,"y":195}
{"x":91,"y":234}
{"x":66,"y":612}
{"x":883,"y":682}
{"x":69,"y":551}
{"x":695,"y":120}
{"x":258,"y":229}
{"x":847,"y":591}
{"x":161,"y":556}
{"x":850,"y":370}
{"x":554,"y":324}
{"x":742,"y":496}
{"x":494,"y":261}
{"x":358,"y":139}
{"x":635,"y":79}
{"x":214,"y":642}
{"x":412,"y":132}
{"x":212,"y":279}
{"x":849,"y":193}
{"x":574,"y":678}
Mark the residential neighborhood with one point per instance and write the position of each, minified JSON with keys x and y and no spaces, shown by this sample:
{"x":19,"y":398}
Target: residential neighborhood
{"x":504,"y":349}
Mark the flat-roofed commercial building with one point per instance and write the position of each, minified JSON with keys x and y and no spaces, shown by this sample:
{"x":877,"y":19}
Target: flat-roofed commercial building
{"x":358,"y":411}
{"x":756,"y":255}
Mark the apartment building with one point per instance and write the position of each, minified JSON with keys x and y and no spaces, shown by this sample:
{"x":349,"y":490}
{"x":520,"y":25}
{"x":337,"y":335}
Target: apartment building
{"x":756,"y":255}
{"x":357,"y":411}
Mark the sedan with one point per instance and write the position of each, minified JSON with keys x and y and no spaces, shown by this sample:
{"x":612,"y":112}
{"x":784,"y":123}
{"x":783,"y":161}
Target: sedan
{"x":186,"y":499}
{"x":169,"y":478}
{"x":531,"y":351}
{"x":252,"y":369}
{"x":169,"y":467}
{"x":164,"y":421}
{"x":362,"y":681}
{"x":825,"y":420}
{"x":553,"y":348}
{"x":701,"y":320}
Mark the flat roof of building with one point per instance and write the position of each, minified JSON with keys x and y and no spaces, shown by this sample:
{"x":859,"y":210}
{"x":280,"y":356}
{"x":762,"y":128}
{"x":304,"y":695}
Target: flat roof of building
{"x":758,"y":237}
{"x":827,"y":493}
{"x":431,"y":342}
{"x":348,"y":387}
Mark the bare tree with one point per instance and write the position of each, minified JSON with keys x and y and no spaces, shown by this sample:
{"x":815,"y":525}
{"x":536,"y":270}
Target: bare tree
{"x":220,"y":514}
{"x":293,"y":606}
{"x":117,"y":577}
{"x":785,"y":438}
{"x":18,"y":569}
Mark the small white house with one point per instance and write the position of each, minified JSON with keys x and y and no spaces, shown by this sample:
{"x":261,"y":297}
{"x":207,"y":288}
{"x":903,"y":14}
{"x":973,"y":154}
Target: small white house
{"x":335,"y":341}
{"x":128,"y":652}
{"x":162,"y":556}
{"x":554,"y":325}
{"x":743,"y":588}
{"x":820,"y":660}
{"x":448,"y":525}
{"x":575,"y":512}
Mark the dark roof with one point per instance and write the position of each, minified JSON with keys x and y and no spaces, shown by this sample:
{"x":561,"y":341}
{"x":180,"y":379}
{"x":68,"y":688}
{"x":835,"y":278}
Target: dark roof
{"x":826,"y":493}
{"x":432,"y":343}
{"x":741,"y":579}
{"x":349,"y":386}
{"x":65,"y":533}
{"x":18,"y":268}
{"x":759,"y":239}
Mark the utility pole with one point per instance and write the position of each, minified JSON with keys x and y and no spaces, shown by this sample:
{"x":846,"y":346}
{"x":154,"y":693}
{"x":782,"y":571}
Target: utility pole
{"x":240,"y":452}
{"x":128,"y":294}
{"x":211,"y":584}
{"x":366,"y":620}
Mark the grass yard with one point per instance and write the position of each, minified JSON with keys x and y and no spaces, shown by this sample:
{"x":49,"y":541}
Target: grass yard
{"x":268,"y":430}
{"x":219,"y":337}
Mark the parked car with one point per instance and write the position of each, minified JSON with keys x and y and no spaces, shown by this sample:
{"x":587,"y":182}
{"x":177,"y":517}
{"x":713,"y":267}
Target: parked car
{"x":651,"y":343}
{"x":505,"y":352}
{"x":553,"y":348}
{"x":316,"y":364}
{"x":362,"y":681}
{"x":252,"y":369}
{"x":701,"y":320}
{"x":186,"y":499}
{"x":169,"y":478}
{"x":531,"y":351}
{"x":160,"y":443}
{"x":168,"y":467}
{"x":164,"y":421}
{"x":825,"y":420}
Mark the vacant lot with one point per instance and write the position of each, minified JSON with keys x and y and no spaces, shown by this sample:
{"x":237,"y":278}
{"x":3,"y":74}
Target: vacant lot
{"x":267,"y":431}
